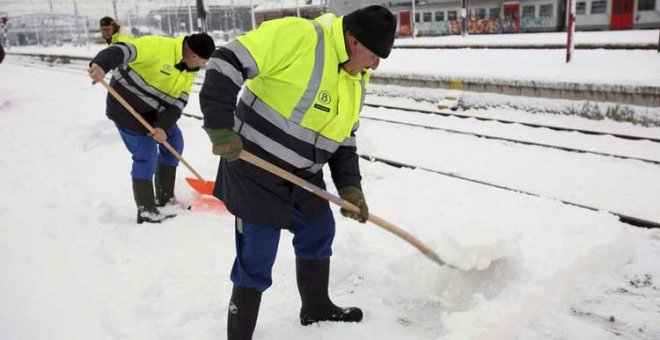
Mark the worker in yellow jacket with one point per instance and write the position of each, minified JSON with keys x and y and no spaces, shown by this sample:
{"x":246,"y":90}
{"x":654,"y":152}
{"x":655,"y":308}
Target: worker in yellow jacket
{"x":154,"y":75}
{"x":111,"y":32}
{"x":303,"y":85}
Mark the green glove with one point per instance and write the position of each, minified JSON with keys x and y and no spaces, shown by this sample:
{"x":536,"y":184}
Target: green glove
{"x":226,"y":143}
{"x":355,"y":196}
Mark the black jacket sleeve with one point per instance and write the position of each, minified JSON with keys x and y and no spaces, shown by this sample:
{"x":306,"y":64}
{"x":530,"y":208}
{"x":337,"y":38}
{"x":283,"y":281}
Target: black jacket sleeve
{"x":219,"y":93}
{"x":109,"y":58}
{"x":345,"y":167}
{"x":168,"y":118}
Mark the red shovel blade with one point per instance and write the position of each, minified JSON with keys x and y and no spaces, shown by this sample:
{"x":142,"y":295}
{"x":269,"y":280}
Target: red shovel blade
{"x":208,"y":203}
{"x":202,"y":187}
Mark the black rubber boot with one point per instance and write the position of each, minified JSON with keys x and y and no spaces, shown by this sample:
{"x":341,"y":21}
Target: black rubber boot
{"x":164,"y":181}
{"x":143,"y":192}
{"x":243,"y":312}
{"x":312,"y":277}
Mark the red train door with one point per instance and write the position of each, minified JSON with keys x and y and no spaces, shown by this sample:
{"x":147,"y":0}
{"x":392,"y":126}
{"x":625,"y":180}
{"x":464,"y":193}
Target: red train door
{"x":511,"y":11}
{"x":622,"y":14}
{"x":405,"y":27}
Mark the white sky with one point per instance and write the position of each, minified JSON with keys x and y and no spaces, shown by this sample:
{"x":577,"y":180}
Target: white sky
{"x":75,"y":266}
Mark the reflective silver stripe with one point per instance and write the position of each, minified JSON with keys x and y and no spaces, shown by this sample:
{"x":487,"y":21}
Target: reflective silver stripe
{"x":364,"y":93}
{"x":315,"y":80}
{"x":290,"y":128}
{"x":350,"y":141}
{"x":275,"y":148}
{"x":227,"y":69}
{"x":135,"y":77}
{"x":244,"y":57}
{"x":356,"y":126}
{"x":272,"y":116}
{"x":184,"y":97}
{"x":148,"y":100}
{"x":326,"y":144}
{"x":128,"y":50}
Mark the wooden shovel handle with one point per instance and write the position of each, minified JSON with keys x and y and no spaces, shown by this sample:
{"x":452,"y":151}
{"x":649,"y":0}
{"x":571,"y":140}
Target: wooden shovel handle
{"x":392,"y":228}
{"x":149,"y":127}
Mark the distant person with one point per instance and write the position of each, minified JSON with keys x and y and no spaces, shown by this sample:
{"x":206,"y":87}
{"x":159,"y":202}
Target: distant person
{"x":154,"y":75}
{"x":112,"y":32}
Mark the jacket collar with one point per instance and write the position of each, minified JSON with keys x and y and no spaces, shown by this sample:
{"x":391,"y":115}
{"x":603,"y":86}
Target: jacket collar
{"x":178,"y":50}
{"x":335,"y":26}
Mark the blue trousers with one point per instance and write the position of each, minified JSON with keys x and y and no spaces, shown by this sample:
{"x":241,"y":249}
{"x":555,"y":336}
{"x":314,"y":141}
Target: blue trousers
{"x":147,"y":153}
{"x":256,"y":247}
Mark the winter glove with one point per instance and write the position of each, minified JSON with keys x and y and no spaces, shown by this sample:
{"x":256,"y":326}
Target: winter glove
{"x":355,"y":196}
{"x":226,"y":143}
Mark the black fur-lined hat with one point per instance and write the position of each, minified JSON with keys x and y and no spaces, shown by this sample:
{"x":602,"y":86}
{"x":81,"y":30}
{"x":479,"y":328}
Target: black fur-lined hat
{"x":374,"y":27}
{"x":106,"y":21}
{"x":201,"y":43}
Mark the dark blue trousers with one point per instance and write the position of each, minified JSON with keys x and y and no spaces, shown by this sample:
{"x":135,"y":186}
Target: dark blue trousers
{"x":256,"y":247}
{"x":147,"y":153}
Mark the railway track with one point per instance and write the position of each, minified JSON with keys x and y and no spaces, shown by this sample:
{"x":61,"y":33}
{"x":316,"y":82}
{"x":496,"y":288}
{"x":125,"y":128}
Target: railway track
{"x":448,"y":113}
{"x":79,"y":67}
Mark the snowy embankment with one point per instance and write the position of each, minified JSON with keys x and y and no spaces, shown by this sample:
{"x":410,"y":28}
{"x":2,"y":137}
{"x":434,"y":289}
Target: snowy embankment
{"x":618,"y":38}
{"x":75,"y":266}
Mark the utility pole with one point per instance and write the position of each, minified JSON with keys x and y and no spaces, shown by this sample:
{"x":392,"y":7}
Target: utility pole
{"x":190,"y":21}
{"x":254,"y":21}
{"x":233,"y":20}
{"x":201,"y":16}
{"x":414,"y":29}
{"x":137,"y":18}
{"x":114,"y":7}
{"x":75,"y":18}
{"x":570,"y":30}
{"x":169,"y":24}
{"x":52,"y":23}
{"x":466,"y":17}
{"x":297,"y":9}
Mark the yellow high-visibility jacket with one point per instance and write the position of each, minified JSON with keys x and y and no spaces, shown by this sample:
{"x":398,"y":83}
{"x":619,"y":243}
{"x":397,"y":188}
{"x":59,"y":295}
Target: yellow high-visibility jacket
{"x":120,"y":36}
{"x":299,"y":109}
{"x":150,"y":74}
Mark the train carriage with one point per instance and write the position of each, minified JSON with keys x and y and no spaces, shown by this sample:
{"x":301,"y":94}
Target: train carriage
{"x":489,"y":16}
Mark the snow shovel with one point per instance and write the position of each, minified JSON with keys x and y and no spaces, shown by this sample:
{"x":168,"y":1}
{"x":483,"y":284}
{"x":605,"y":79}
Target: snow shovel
{"x":406,"y":236}
{"x":200,"y":185}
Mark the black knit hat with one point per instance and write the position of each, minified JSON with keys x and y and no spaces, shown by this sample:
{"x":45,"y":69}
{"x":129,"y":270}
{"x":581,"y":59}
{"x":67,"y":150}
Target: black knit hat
{"x":201,"y":43}
{"x":106,"y":21}
{"x":374,"y":27}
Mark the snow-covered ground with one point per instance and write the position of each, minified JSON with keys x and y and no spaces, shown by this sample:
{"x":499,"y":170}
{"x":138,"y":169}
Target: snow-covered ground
{"x":76,"y":266}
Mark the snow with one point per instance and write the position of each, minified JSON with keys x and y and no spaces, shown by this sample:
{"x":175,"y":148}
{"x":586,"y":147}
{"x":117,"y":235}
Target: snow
{"x":642,"y":67}
{"x":624,"y":37}
{"x":76,"y":266}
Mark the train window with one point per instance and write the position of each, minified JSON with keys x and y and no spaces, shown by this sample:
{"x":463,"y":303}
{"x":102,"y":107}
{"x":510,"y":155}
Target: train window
{"x":581,"y":8}
{"x":599,"y":6}
{"x":440,"y":16}
{"x":528,"y":11}
{"x":494,"y":12}
{"x":546,"y":10}
{"x":428,"y":16}
{"x":646,"y":5}
{"x":481,"y":13}
{"x":451,"y":15}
